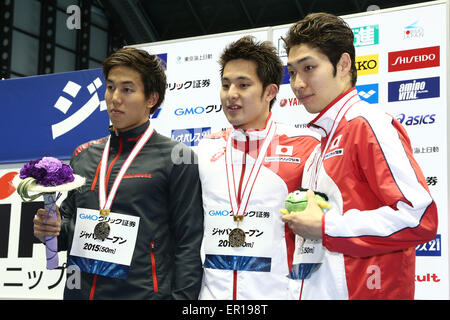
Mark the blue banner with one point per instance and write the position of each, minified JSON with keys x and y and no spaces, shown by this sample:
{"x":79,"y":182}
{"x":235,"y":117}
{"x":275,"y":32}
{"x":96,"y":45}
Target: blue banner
{"x":242,"y":263}
{"x":431,"y":248}
{"x":286,"y":78}
{"x":190,"y":137}
{"x":413,"y":89}
{"x":51,"y":115}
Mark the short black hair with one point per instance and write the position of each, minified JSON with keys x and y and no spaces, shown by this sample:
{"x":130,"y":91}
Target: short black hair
{"x":269,"y":67}
{"x":149,"y":66}
{"x":326,"y":32}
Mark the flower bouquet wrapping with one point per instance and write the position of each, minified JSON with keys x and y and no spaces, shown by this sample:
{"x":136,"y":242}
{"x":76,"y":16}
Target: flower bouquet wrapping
{"x":47,"y":177}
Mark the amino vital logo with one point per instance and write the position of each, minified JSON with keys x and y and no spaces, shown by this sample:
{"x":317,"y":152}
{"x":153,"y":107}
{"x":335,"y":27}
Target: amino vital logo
{"x":413,"y":89}
{"x":190,"y":137}
{"x":414,"y":59}
{"x":367,"y":64}
{"x":368,"y":92}
{"x":365,"y":36}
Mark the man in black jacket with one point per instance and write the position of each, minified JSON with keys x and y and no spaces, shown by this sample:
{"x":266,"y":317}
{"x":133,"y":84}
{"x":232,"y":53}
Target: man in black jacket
{"x":134,"y":230}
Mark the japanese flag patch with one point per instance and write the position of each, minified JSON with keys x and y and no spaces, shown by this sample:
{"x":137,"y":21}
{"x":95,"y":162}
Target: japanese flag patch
{"x":284,"y":150}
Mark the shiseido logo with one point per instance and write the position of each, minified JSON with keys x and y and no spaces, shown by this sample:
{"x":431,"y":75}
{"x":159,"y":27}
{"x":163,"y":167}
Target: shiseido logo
{"x":414,"y":59}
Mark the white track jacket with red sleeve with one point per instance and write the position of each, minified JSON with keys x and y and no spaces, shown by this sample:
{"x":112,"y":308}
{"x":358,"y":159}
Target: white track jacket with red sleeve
{"x":257,"y":269}
{"x":381,"y":206}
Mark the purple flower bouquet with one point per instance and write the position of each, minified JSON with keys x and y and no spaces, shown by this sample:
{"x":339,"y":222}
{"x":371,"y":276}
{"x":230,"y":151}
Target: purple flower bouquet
{"x":47,"y":177}
{"x":48,"y":171}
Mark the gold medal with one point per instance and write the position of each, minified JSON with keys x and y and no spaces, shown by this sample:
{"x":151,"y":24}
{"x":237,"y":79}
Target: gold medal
{"x":104,"y":212}
{"x":236,"y":237}
{"x":101,"y":230}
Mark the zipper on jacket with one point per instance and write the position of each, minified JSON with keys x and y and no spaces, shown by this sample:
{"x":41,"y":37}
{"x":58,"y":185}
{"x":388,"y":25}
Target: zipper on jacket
{"x":94,"y":284}
{"x":111,"y":165}
{"x":152,"y":257}
{"x":301,"y":290}
{"x":234,"y":284}
{"x":94,"y":182}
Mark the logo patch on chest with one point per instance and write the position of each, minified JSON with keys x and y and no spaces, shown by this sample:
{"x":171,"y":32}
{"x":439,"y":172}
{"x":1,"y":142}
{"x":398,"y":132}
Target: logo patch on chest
{"x":337,"y":152}
{"x":282,"y":159}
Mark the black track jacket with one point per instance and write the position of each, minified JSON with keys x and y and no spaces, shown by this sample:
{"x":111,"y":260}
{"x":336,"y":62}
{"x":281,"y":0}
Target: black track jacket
{"x":161,"y":187}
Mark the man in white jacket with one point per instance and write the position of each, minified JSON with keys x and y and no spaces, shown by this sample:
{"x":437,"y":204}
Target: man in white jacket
{"x":246,"y":173}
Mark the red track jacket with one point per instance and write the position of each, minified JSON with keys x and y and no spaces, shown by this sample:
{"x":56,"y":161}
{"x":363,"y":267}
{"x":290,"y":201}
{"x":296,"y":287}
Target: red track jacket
{"x":381,"y":205}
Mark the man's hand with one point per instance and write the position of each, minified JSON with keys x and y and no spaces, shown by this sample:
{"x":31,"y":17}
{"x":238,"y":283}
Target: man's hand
{"x":46,"y":227}
{"x":307,"y":223}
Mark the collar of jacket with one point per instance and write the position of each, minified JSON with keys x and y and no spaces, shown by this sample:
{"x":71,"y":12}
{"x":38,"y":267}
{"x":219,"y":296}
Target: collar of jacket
{"x":323,"y":123}
{"x":130,"y":136}
{"x":252,"y":134}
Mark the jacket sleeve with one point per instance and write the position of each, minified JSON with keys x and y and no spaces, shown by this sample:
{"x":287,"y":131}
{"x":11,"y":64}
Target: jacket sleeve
{"x":185,"y":201}
{"x":406,"y":214}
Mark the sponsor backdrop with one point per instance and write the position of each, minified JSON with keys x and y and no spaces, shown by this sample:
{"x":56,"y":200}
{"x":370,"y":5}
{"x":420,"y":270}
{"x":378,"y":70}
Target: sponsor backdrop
{"x":402,"y":67}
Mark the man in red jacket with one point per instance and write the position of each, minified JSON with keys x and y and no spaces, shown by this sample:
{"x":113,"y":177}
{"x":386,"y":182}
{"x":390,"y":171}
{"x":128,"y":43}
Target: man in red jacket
{"x":381,"y":207}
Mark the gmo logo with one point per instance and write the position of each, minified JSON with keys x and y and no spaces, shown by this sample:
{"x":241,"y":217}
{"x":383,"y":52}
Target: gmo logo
{"x":91,"y":217}
{"x":189,"y":111}
{"x":222,"y":213}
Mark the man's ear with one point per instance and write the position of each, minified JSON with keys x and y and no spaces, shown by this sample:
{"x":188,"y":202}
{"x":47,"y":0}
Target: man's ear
{"x":152,"y":99}
{"x":271,"y":91}
{"x":344,"y":65}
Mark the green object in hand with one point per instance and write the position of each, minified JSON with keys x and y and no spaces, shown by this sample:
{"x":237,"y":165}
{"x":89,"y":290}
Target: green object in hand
{"x":297,"y":201}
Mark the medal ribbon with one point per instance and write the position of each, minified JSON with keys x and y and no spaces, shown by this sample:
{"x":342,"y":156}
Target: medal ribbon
{"x":307,"y":266}
{"x":239,"y":208}
{"x":104,"y":202}
{"x":336,"y":122}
